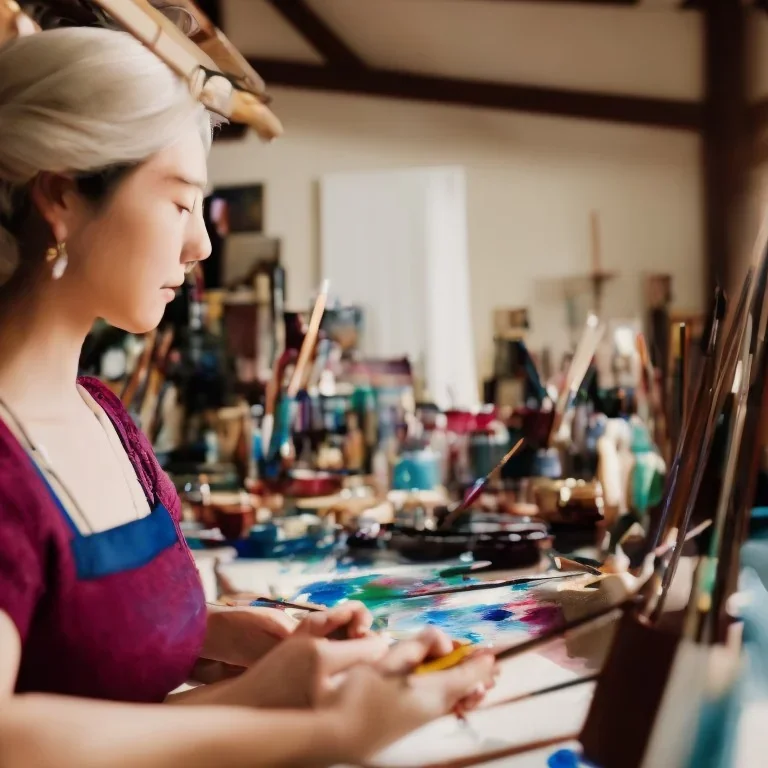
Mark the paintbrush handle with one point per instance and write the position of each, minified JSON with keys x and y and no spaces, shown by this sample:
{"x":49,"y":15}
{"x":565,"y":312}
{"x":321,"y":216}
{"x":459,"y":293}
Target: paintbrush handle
{"x":309,"y":340}
{"x":269,"y":602}
{"x":450,"y":660}
{"x":473,"y":493}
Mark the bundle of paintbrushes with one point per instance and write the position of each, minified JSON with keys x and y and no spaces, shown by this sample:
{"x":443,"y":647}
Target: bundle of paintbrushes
{"x":667,"y":669}
{"x":658,"y":674}
{"x":279,"y":410}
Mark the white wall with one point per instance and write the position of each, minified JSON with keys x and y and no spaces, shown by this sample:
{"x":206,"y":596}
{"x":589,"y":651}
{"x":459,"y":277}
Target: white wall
{"x":531,"y":184}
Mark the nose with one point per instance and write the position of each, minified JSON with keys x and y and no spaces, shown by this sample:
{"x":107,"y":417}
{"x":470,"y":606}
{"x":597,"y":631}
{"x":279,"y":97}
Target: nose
{"x":197,"y":244}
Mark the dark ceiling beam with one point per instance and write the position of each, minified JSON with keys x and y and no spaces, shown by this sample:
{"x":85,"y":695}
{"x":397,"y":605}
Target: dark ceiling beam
{"x":317,"y":33}
{"x":636,"y":110}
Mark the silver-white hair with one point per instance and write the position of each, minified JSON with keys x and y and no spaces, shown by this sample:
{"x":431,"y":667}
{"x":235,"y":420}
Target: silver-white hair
{"x":81,"y":99}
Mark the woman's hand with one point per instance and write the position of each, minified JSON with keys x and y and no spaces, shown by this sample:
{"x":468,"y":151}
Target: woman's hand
{"x":302,"y":670}
{"x":350,"y":620}
{"x":375,"y":705}
{"x":241,"y":636}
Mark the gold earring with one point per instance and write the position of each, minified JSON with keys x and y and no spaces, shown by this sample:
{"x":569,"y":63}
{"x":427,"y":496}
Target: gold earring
{"x":57,"y":256}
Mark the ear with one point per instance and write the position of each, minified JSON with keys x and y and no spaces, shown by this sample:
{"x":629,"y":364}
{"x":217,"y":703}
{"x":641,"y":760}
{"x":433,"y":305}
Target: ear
{"x":56,"y":199}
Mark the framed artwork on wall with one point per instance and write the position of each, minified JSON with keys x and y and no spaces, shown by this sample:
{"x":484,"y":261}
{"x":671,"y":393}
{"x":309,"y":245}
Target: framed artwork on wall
{"x":238,"y":209}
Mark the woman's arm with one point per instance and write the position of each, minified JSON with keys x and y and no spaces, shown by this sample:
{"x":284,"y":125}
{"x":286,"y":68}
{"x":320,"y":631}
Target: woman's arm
{"x":40,"y":731}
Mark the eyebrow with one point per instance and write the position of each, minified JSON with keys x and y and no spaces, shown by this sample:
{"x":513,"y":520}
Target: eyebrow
{"x":201,"y":185}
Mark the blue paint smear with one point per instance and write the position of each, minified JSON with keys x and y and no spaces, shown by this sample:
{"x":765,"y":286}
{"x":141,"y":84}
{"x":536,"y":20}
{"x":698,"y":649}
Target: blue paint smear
{"x":327,"y":593}
{"x":496,"y":614}
{"x":567,"y":758}
{"x":264,"y":604}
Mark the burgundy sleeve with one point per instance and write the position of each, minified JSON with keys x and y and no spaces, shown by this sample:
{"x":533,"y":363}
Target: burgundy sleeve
{"x":21,"y":567}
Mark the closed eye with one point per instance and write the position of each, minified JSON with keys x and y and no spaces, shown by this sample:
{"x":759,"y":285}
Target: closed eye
{"x":183,"y":208}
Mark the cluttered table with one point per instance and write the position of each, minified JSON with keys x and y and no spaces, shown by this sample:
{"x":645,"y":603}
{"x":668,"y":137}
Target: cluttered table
{"x":540,"y":696}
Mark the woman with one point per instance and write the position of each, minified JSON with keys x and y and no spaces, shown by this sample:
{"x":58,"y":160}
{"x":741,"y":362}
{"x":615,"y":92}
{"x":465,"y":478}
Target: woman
{"x":102,"y":172}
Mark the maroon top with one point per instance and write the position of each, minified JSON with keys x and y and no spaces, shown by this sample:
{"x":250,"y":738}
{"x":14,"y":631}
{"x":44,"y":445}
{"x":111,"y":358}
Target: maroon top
{"x":115,"y":615}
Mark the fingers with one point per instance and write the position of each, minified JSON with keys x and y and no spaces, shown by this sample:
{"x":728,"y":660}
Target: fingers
{"x":272,"y":621}
{"x":468,"y":703}
{"x":338,"y":657}
{"x":465,"y":684}
{"x":407,"y":654}
{"x":352,"y":617}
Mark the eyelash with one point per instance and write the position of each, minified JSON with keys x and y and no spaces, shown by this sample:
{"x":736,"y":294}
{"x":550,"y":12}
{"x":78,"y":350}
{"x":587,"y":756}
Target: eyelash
{"x":183,"y":209}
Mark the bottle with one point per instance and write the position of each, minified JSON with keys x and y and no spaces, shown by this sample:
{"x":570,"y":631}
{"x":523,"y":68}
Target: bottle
{"x":354,"y":444}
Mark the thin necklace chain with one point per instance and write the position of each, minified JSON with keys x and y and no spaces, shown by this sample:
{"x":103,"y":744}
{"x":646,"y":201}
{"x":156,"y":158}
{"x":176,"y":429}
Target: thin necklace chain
{"x":41,"y":458}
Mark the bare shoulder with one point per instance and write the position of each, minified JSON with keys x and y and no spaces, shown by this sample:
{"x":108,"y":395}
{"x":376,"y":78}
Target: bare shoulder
{"x":153,"y":478}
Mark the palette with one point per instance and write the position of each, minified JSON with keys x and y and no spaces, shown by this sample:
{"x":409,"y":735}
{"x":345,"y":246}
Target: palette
{"x":495,"y":616}
{"x":498,"y":617}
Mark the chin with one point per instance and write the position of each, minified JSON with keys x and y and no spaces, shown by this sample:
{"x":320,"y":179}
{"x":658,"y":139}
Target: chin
{"x":139,"y":322}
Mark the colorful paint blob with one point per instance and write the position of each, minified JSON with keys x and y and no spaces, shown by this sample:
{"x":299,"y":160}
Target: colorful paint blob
{"x":498,"y":617}
{"x":375,"y":586}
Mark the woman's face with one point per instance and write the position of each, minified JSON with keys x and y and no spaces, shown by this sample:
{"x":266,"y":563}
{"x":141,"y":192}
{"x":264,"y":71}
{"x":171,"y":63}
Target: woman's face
{"x":127,"y":260}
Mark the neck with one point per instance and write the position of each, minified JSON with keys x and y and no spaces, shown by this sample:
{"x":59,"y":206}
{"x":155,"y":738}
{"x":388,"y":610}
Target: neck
{"x":41,"y":337}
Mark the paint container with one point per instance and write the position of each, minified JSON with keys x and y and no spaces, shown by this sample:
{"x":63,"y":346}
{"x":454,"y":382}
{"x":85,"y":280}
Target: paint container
{"x":306,"y":484}
{"x":486,"y":449}
{"x":416,"y":470}
{"x":235,"y":520}
{"x":516,"y":545}
{"x":521,"y":547}
{"x":573,"y":510}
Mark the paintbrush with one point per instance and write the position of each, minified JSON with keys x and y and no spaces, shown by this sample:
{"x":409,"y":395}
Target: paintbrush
{"x":681,"y":475}
{"x":544,"y":691}
{"x":684,"y":340}
{"x":755,"y":290}
{"x":308,"y":345}
{"x":750,"y":450}
{"x":273,"y":602}
{"x":475,"y":490}
{"x":497,"y":584}
{"x":582,"y":357}
{"x":700,"y":606}
{"x":656,"y":415}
